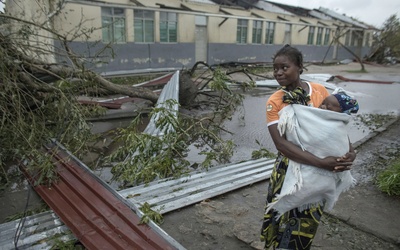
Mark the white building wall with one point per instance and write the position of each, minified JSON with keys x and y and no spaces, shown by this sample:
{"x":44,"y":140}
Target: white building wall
{"x":38,"y":40}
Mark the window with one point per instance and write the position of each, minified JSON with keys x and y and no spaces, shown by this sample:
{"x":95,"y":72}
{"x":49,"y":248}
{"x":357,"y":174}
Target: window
{"x":288,"y":34}
{"x":241,"y":34}
{"x":311,"y":31}
{"x":257,"y":31}
{"x":168,"y":27}
{"x":366,"y":39}
{"x":353,"y":38}
{"x":144,"y":26}
{"x":113,"y":25}
{"x":356,"y":38}
{"x":319,"y":35}
{"x":269,"y":34}
{"x":327,"y":36}
{"x":347,"y":39}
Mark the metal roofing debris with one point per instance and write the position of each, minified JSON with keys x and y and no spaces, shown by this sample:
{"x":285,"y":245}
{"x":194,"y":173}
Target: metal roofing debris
{"x":169,"y":92}
{"x":171,"y":194}
{"x":342,"y":18}
{"x":203,"y":1}
{"x":296,"y":10}
{"x":41,"y":229}
{"x":98,"y":216}
{"x":156,"y":81}
{"x":268,"y":6}
{"x":119,"y":100}
{"x":320,"y":15}
{"x":110,"y":105}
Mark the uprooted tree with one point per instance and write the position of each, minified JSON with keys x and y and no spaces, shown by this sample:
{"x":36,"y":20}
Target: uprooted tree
{"x":38,"y":102}
{"x":387,"y":41}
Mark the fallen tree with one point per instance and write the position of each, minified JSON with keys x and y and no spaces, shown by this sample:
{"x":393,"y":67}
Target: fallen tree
{"x":38,"y":101}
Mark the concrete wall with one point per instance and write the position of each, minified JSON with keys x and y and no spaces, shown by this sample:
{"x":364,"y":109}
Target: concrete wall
{"x":132,"y":57}
{"x":82,"y":24}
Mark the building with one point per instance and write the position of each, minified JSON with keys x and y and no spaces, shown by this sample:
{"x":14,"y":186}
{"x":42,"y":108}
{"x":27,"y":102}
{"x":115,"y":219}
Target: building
{"x":126,"y":36}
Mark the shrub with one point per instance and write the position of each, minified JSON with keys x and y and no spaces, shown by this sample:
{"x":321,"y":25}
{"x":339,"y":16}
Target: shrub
{"x":389,"y":179}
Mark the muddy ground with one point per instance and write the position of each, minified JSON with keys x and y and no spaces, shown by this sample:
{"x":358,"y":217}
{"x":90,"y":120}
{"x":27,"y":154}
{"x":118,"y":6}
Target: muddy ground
{"x":363,"y":218}
{"x":233,"y":220}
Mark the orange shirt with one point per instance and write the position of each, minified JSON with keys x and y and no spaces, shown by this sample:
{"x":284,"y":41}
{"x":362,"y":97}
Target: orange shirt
{"x":275,"y":102}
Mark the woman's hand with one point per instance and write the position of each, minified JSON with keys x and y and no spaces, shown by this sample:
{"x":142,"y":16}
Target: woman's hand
{"x":348,"y":157}
{"x":335,"y":164}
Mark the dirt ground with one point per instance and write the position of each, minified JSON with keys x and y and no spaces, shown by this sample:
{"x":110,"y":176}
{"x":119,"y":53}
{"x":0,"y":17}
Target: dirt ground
{"x":233,"y":220}
{"x":363,"y":218}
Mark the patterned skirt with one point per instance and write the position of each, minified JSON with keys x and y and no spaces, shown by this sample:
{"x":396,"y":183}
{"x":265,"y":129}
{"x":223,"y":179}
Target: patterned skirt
{"x":294,"y":229}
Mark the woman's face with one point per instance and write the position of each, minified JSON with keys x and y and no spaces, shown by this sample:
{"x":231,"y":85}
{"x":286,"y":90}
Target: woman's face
{"x":286,"y":72}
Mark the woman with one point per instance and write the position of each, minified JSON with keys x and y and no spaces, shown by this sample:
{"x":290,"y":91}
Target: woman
{"x":294,"y":229}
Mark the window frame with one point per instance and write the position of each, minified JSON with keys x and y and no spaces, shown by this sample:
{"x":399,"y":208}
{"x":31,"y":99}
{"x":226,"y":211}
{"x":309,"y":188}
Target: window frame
{"x":171,"y":25}
{"x":257,"y":31}
{"x":114,"y":25}
{"x":320,"y":30}
{"x":288,"y":33}
{"x":241,"y":32}
{"x":269,"y":33}
{"x":311,"y":33}
{"x":367,"y":37}
{"x":145,"y":23}
{"x":347,"y":38}
{"x":327,"y":36}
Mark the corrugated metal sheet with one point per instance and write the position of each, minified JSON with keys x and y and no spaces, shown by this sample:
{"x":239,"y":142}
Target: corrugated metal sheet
{"x":165,"y":195}
{"x":156,"y":81}
{"x":98,"y":216}
{"x":110,"y":105}
{"x":171,"y":194}
{"x":38,"y":231}
{"x":169,"y":92}
{"x":203,"y":1}
{"x":341,"y":17}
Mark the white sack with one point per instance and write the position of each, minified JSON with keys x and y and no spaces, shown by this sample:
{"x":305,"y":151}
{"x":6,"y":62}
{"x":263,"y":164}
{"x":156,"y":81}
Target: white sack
{"x":322,"y":133}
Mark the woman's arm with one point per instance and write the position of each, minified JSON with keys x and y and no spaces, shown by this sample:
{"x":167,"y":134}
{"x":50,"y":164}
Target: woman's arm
{"x":295,"y":153}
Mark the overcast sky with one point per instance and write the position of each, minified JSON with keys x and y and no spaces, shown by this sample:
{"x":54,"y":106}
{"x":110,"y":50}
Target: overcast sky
{"x":373,"y":12}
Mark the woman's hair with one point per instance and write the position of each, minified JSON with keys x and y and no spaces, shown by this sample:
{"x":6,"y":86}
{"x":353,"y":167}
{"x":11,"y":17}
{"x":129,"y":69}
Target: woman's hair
{"x":293,"y":54}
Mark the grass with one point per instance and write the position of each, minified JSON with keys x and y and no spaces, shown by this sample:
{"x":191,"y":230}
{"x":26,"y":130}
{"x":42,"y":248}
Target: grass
{"x":388,"y":181}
